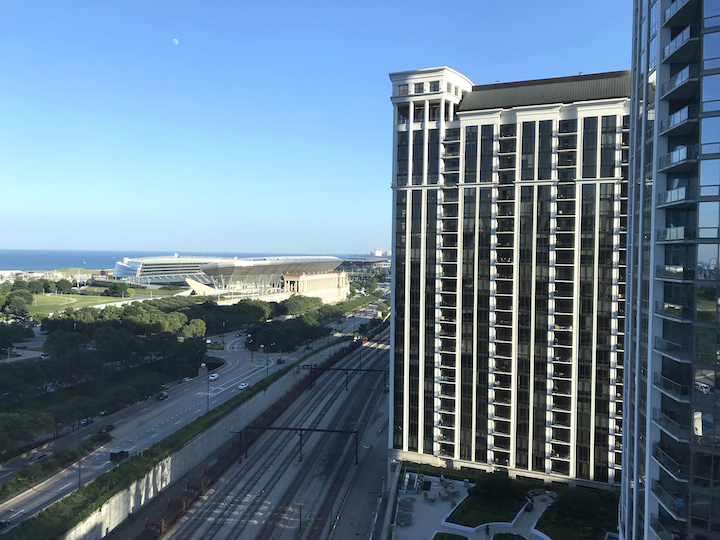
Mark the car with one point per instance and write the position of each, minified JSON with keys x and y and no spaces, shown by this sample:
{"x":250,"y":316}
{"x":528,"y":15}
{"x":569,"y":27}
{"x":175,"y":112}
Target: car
{"x":162,"y":396}
{"x":280,"y":360}
{"x":21,"y":347}
{"x":243,"y":386}
{"x":208,"y":341}
{"x":4,"y":523}
{"x":213,"y":377}
{"x":37,"y":458}
{"x":119,"y":455}
{"x":187,"y":379}
{"x":106,"y":429}
{"x":221,"y":335}
{"x":86,"y":421}
{"x":702,"y":387}
{"x":164,"y":386}
{"x":104,"y":412}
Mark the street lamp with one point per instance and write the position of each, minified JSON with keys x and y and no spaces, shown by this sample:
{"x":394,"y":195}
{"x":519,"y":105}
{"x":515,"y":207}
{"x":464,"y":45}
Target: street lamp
{"x":207,"y":379}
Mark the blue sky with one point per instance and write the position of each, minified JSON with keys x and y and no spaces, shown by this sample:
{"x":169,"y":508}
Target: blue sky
{"x":266,"y":128}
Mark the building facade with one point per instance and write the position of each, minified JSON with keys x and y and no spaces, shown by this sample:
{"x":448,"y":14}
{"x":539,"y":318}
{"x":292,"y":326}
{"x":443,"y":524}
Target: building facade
{"x":671,"y":474}
{"x":509,"y":225}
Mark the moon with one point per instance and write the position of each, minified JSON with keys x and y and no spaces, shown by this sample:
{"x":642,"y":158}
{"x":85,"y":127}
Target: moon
{"x":175,"y":41}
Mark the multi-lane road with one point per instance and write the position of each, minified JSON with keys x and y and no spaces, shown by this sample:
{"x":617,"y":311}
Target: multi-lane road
{"x":140,"y":426}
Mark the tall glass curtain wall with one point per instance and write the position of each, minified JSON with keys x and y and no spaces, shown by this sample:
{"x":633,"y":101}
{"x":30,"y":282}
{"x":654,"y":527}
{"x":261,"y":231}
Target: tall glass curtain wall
{"x":672,"y":483}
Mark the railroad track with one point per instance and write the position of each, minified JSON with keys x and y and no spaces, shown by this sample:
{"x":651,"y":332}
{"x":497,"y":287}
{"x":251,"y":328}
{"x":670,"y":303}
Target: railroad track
{"x":251,"y":491}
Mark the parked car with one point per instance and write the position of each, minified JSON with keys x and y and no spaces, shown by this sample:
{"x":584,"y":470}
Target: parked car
{"x":86,"y":421}
{"x":187,"y":379}
{"x":119,"y":455}
{"x":243,"y":386}
{"x":702,"y":387}
{"x":106,"y":429}
{"x":164,"y":387}
{"x":4,"y":523}
{"x":162,"y":396}
{"x":208,"y":341}
{"x":213,"y":377}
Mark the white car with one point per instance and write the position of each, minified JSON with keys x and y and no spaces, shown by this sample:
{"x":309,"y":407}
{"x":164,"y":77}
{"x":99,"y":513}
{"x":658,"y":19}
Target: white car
{"x":243,"y":386}
{"x":213,"y":377}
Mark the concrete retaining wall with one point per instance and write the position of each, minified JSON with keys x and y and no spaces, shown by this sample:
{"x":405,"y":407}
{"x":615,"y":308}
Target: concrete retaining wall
{"x":118,"y":508}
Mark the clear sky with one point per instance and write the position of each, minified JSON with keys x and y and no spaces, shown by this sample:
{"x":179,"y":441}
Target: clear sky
{"x":241,"y":126}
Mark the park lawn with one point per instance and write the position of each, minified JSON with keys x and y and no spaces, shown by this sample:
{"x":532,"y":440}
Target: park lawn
{"x":50,"y":303}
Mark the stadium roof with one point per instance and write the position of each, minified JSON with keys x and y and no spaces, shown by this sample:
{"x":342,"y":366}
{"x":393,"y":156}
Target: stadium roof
{"x":263,"y":266}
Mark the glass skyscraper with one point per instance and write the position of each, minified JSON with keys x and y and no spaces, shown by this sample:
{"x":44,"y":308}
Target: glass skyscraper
{"x":671,"y":448}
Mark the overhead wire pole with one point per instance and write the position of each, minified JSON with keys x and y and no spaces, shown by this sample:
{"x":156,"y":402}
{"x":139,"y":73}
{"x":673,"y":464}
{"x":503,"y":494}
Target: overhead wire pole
{"x":300,"y":431}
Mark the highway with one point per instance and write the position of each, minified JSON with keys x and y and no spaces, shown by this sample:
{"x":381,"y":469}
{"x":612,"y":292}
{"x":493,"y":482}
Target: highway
{"x":143,"y":424}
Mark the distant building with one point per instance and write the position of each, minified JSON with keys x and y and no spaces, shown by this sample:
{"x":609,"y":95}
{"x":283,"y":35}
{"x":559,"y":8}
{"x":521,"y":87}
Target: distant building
{"x":509,"y":273}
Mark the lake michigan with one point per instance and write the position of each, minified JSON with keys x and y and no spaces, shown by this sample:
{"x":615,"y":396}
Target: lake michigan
{"x":50,"y":259}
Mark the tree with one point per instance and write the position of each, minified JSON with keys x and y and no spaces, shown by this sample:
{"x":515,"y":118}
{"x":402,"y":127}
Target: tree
{"x":64,"y":286}
{"x":117,"y":288}
{"x":130,"y":291}
{"x":16,"y":309}
{"x":195,"y":328}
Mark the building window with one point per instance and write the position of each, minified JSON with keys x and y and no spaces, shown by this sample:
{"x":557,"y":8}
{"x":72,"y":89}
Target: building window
{"x":449,"y":88}
{"x":403,"y":90}
{"x":711,"y":135}
{"x":419,"y":88}
{"x":712,"y":13}
{"x":711,"y":50}
{"x":435,"y":86}
{"x":711,"y":93}
{"x":456,"y":90}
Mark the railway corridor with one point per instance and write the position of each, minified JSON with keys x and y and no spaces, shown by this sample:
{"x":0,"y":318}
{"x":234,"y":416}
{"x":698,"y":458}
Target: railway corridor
{"x":273,"y":494}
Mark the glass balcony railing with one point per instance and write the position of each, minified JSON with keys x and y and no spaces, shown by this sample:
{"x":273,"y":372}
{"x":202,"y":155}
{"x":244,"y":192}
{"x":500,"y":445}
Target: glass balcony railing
{"x":679,"y":391}
{"x":671,"y":465}
{"x":675,"y":503}
{"x":676,"y":311}
{"x":669,"y":271}
{"x":688,"y":72}
{"x":681,"y":433}
{"x":678,"y":157}
{"x":692,"y":31}
{"x":679,"y":195}
{"x":683,"y":115}
{"x":673,"y":9}
{"x":677,"y":350}
{"x":670,"y":234}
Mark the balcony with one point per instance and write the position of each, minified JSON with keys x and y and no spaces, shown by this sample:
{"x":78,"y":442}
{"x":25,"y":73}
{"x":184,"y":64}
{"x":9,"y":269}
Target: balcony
{"x":676,"y":234}
{"x":681,"y":160}
{"x":670,"y":464}
{"x":679,"y":392}
{"x":680,"y":12}
{"x":507,"y":147}
{"x":670,"y":426}
{"x":674,"y":504}
{"x":675,"y":273}
{"x":680,"y":123}
{"x":674,"y":311}
{"x":455,"y":154}
{"x":677,"y":351}
{"x":682,"y":84}
{"x":677,"y":197}
{"x":452,"y":135}
{"x":663,"y":530}
{"x":683,"y":46}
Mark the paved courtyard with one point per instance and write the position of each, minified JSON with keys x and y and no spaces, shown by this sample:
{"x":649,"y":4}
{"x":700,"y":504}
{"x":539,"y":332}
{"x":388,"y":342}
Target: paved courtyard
{"x":424,"y":513}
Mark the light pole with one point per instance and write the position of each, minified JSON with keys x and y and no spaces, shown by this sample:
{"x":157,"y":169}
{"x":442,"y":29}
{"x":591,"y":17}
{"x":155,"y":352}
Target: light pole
{"x":207,"y":379}
{"x":262,"y":348}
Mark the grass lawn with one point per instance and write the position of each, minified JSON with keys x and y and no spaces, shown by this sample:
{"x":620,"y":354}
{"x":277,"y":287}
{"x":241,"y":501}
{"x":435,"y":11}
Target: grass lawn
{"x":49,"y":303}
{"x":580,"y":514}
{"x":495,"y":497}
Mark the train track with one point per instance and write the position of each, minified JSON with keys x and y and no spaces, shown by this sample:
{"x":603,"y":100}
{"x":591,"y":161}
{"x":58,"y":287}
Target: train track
{"x":256,"y":499}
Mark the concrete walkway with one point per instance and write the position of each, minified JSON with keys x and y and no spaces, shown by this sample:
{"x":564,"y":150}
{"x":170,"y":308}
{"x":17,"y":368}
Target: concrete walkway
{"x":428,"y":518}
